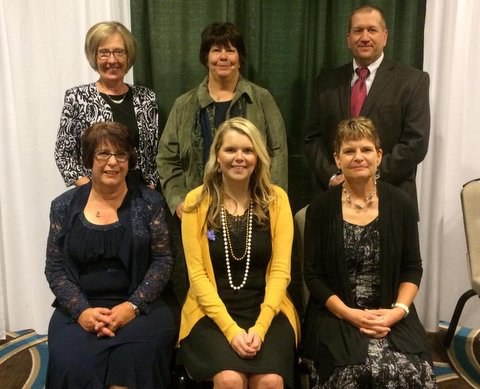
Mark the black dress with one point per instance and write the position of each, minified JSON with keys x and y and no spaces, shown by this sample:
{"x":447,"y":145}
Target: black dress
{"x":206,"y":351}
{"x":385,"y":366}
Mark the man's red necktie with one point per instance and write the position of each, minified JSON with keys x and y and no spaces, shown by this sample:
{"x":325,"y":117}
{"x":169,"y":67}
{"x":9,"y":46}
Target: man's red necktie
{"x":359,"y":92}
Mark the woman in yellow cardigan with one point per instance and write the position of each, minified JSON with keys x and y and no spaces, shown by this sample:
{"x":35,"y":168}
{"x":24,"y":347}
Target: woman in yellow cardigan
{"x":238,"y":328}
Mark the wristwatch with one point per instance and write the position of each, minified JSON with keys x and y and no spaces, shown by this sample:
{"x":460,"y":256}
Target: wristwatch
{"x":135,"y":308}
{"x":402,"y":306}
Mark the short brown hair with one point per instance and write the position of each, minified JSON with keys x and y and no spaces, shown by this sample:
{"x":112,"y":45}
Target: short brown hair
{"x":368,"y":8}
{"x":355,"y":129}
{"x":114,"y":133}
{"x":222,"y":34}
{"x":103,"y":30}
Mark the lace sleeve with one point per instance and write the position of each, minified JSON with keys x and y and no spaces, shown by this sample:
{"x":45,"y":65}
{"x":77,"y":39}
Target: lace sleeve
{"x":160,"y":269}
{"x":68,"y":294}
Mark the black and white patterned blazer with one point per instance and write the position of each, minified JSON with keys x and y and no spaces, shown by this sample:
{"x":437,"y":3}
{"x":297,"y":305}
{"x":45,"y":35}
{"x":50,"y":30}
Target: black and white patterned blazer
{"x":84,"y":106}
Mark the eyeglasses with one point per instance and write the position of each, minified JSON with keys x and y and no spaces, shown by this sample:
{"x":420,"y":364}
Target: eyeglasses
{"x":104,"y":54}
{"x":121,"y":156}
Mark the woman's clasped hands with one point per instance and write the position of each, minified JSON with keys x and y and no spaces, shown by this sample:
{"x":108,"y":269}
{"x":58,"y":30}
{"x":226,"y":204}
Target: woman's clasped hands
{"x":105,"y":321}
{"x":246,"y":344}
{"x":375,"y":323}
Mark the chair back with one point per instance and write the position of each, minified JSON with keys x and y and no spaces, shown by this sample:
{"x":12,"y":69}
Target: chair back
{"x":470,"y":196}
{"x":299,"y":220}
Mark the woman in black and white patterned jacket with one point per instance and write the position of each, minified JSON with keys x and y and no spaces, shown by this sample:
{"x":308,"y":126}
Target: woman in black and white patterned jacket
{"x":111,"y":51}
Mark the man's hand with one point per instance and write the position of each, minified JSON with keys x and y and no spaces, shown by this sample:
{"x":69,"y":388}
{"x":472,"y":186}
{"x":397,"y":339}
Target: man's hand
{"x":337,"y":179}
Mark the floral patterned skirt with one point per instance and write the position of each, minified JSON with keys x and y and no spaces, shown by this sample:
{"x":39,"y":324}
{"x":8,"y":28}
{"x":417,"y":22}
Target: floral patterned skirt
{"x":384,"y":368}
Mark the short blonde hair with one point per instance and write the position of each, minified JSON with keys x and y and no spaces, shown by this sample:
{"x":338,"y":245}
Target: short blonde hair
{"x":103,"y":30}
{"x":261,"y":191}
{"x":355,"y":129}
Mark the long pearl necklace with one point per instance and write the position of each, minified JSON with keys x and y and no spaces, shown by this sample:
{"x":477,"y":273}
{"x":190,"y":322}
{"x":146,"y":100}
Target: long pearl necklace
{"x":368,"y":199}
{"x":229,"y":249}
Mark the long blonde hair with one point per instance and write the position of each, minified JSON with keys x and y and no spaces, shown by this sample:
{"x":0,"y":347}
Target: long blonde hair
{"x":260,"y":184}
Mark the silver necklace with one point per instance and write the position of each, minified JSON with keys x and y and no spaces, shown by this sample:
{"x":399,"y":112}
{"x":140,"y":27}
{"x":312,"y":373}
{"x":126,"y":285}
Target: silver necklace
{"x":229,"y":249}
{"x":117,"y":101}
{"x":368,"y":199}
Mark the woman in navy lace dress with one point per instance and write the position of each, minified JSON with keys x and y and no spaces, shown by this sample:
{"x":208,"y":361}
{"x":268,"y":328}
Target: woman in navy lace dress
{"x":363,"y":269}
{"x":108,"y":262}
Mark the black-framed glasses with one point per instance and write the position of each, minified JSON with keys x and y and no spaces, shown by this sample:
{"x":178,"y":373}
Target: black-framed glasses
{"x":121,"y":156}
{"x":104,"y":54}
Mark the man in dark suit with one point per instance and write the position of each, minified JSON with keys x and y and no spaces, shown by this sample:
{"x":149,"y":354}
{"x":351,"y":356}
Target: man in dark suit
{"x":397,"y":101}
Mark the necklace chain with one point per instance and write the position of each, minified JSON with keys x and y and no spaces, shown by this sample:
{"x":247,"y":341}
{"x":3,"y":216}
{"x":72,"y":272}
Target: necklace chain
{"x":103,"y":89}
{"x":117,"y":101}
{"x":368,"y":200}
{"x":229,"y":249}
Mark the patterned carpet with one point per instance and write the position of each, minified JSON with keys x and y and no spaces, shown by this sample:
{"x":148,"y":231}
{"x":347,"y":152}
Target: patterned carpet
{"x":458,"y":367}
{"x":24,"y":356}
{"x":23,"y":360}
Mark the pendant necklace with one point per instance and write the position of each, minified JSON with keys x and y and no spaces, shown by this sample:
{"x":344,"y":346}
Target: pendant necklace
{"x":368,"y":199}
{"x":229,"y":249}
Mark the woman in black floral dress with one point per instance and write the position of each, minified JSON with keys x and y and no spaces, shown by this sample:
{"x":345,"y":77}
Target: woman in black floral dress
{"x":363,"y":269}
{"x":108,"y":262}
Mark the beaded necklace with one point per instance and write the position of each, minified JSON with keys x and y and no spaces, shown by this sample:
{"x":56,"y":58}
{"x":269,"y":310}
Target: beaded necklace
{"x":368,"y":199}
{"x":227,"y":244}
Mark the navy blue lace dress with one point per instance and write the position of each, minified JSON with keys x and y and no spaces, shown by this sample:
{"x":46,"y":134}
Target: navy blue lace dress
{"x":90,"y":265}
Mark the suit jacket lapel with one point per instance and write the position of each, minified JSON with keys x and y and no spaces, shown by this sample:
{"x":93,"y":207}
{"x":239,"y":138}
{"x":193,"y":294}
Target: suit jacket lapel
{"x":344,"y":90}
{"x":380,"y":84}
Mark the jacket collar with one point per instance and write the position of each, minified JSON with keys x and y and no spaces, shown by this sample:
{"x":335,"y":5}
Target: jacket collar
{"x":244,"y":87}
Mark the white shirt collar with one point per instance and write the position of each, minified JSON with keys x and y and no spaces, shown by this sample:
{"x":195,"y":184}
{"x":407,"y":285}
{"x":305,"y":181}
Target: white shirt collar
{"x":372,"y":67}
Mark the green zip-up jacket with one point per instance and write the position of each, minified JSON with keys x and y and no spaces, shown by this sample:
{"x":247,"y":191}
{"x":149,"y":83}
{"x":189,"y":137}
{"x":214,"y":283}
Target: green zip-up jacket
{"x":179,"y":158}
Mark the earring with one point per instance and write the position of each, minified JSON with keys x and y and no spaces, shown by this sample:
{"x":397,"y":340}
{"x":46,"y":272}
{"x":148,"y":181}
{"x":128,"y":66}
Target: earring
{"x":377,"y":174}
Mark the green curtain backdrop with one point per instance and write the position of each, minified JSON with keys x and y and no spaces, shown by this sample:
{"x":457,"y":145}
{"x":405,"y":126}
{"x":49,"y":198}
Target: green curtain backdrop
{"x":288,"y":43}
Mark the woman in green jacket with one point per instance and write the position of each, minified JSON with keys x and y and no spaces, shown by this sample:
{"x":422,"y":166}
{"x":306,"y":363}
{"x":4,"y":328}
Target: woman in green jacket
{"x":185,"y":142}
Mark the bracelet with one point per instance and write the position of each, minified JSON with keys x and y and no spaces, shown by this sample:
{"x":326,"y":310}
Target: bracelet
{"x":402,"y":306}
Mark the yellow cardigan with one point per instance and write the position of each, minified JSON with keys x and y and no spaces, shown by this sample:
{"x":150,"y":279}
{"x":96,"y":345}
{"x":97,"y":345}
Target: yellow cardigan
{"x":203,"y":299}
